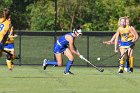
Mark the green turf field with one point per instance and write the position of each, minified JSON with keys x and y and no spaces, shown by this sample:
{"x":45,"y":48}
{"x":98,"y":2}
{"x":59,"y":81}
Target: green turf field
{"x":32,"y":79}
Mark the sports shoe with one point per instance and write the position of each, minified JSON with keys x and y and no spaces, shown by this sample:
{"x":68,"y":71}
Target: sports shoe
{"x":45,"y":64}
{"x":126,"y":69}
{"x":120,"y":70}
{"x":10,"y":69}
{"x":68,"y":73}
{"x":131,"y":70}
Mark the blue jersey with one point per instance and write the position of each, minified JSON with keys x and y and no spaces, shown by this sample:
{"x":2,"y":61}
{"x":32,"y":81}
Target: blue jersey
{"x":61,"y":44}
{"x":62,"y":40}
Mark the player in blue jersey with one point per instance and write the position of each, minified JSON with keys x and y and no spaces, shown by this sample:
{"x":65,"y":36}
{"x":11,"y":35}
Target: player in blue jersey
{"x":65,"y":45}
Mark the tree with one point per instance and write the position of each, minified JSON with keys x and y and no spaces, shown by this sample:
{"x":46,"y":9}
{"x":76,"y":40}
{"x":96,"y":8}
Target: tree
{"x":41,"y":15}
{"x":96,"y":15}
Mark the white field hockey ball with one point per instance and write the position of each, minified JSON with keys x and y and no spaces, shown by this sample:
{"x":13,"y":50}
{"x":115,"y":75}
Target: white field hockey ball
{"x":98,"y":58}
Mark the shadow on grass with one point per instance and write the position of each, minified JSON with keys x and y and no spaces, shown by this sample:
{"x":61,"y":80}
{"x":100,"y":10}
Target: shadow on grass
{"x":99,"y":74}
{"x":38,"y":77}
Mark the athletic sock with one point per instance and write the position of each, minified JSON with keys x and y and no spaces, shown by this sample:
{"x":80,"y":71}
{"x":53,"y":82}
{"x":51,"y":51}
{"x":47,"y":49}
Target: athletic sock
{"x":131,"y":60}
{"x":9,"y":64}
{"x":127,"y":63}
{"x":122,"y":64}
{"x":68,"y":66}
{"x":51,"y":63}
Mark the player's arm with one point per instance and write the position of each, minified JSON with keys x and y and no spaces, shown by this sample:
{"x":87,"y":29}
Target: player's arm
{"x":111,"y":41}
{"x":12,"y":34}
{"x":116,"y":41}
{"x":135,"y":32}
{"x":71,"y":45}
{"x":113,"y":38}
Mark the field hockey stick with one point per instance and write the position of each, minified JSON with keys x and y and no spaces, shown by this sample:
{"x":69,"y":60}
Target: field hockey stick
{"x":99,"y":69}
{"x":107,"y":42}
{"x":16,"y":57}
{"x":124,"y":53}
{"x":8,"y":52}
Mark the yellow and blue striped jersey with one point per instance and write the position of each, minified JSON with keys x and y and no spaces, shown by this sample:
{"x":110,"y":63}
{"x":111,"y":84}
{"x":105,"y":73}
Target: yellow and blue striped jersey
{"x":125,"y":33}
{"x":4,"y":28}
{"x":10,"y":38}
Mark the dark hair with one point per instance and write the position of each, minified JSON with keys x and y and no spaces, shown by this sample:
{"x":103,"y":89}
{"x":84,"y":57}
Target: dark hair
{"x":79,"y":26}
{"x":6,"y":14}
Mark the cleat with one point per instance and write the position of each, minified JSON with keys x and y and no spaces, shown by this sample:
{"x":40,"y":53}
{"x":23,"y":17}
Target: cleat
{"x":121,"y":68}
{"x":68,"y":73}
{"x":120,"y":71}
{"x":131,"y":70}
{"x":45,"y":64}
{"x":10,"y":69}
{"x":126,"y":69}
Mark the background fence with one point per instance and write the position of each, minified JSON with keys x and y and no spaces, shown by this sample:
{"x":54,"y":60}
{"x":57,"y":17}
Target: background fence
{"x":33,"y":47}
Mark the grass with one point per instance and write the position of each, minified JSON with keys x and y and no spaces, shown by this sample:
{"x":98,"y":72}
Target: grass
{"x":32,"y":79}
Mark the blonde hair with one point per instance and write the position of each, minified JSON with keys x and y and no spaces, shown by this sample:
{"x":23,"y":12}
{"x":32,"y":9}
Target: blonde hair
{"x":120,"y":20}
{"x":127,"y":18}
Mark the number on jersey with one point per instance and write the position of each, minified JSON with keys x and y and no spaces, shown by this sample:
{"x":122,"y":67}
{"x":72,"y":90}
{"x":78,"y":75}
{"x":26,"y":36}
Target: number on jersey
{"x":1,"y":27}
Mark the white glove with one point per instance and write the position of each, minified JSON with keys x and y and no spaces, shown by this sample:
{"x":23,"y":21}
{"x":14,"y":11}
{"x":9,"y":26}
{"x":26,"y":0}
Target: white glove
{"x":81,"y":56}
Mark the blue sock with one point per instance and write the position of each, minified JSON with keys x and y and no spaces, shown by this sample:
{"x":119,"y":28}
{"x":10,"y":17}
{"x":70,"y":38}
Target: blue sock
{"x":127,"y":63}
{"x":52,"y":63}
{"x":68,"y":66}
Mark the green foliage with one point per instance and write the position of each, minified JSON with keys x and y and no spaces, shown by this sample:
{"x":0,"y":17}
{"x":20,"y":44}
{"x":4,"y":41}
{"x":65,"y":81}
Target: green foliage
{"x":5,"y":4}
{"x":42,"y":15}
{"x":96,"y":15}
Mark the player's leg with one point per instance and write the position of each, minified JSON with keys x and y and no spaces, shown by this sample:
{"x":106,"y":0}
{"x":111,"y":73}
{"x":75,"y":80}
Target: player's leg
{"x":47,"y":62}
{"x":58,"y":50}
{"x":127,"y":63}
{"x":57,"y":62}
{"x":0,"y":50}
{"x":121,"y":67}
{"x":9,"y":61}
{"x":131,"y":59}
{"x":0,"y":53}
{"x":9,"y":58}
{"x":70,"y":61}
{"x":13,"y":57}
